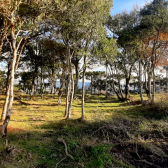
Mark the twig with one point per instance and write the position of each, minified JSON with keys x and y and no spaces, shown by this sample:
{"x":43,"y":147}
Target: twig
{"x":98,"y":129}
{"x":151,"y":164}
{"x":66,"y":151}
{"x":136,"y":150}
{"x":60,"y":162}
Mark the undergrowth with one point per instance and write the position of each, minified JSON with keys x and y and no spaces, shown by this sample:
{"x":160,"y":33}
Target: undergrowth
{"x":114,"y":134}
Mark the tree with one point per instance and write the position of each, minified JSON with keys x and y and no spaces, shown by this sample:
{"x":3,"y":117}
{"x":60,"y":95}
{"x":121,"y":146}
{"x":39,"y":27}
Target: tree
{"x":96,"y":78}
{"x":78,"y":22}
{"x":153,"y":28}
{"x":105,"y":50}
{"x":99,"y":16}
{"x":122,"y":25}
{"x":53,"y":54}
{"x":21,"y":15}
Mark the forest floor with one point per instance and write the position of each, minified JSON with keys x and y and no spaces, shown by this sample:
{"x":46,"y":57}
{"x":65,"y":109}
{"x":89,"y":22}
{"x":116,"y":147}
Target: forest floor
{"x":114,"y":134}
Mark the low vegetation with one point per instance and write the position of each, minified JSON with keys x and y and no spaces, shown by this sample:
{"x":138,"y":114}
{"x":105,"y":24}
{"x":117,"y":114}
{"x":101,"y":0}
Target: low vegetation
{"x":114,"y":134}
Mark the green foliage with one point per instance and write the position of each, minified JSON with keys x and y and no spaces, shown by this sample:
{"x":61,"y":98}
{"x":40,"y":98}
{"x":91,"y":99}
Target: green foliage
{"x":100,"y":156}
{"x":106,"y":49}
{"x":26,"y":80}
{"x":28,"y":11}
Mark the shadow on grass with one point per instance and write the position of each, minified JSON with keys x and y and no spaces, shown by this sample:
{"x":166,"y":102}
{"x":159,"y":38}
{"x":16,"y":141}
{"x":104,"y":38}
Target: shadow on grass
{"x":92,"y":145}
{"x":122,"y":141}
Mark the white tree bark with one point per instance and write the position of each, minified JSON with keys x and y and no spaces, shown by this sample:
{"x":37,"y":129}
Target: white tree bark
{"x":72,"y":96}
{"x":83,"y":89}
{"x":140,"y":82}
{"x":9,"y":109}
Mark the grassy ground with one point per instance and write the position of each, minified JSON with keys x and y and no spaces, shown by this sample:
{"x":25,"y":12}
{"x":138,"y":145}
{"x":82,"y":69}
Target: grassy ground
{"x":114,"y":134}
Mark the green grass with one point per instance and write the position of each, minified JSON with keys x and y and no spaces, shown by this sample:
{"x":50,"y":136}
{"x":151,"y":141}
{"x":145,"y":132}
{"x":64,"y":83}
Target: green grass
{"x":111,"y":128}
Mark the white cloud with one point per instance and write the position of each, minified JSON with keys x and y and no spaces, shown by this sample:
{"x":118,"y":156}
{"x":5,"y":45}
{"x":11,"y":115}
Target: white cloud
{"x":119,"y":6}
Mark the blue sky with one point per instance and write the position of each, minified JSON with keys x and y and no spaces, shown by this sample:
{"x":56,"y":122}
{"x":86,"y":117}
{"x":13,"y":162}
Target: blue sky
{"x":121,"y":5}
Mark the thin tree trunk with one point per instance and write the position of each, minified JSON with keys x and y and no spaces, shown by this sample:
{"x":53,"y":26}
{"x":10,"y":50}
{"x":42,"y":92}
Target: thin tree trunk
{"x":68,"y":85}
{"x":120,"y":91}
{"x":117,"y":93}
{"x":67,"y":99}
{"x":55,"y":86}
{"x":106,"y":79}
{"x":7,"y":85}
{"x":71,"y":97}
{"x":41,"y":80}
{"x":32,"y":88}
{"x":149,"y":85}
{"x":8,"y":113}
{"x":12,"y":72}
{"x":146,"y":85}
{"x":127,"y":88}
{"x":76,"y":81}
{"x":62,"y":82}
{"x":5,"y":104}
{"x":52,"y":88}
{"x":154,"y":86}
{"x":83,"y":89}
{"x":7,"y":96}
{"x":91,"y":84}
{"x":140,"y":82}
{"x":1,"y":44}
{"x":60,"y":92}
{"x":52,"y":82}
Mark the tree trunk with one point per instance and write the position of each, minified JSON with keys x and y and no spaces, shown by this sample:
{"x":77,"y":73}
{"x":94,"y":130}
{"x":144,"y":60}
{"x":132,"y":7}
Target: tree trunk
{"x":1,"y":44}
{"x":127,"y":88}
{"x":106,"y":79}
{"x":149,"y":85}
{"x":52,"y":82}
{"x":68,"y":84}
{"x":5,"y":104}
{"x":7,"y":95}
{"x":140,"y":82}
{"x":146,"y":85}
{"x":154,"y":86}
{"x":83,"y":89}
{"x":42,"y":82}
{"x":32,"y":88}
{"x":62,"y":84}
{"x":71,"y":97}
{"x":76,"y":80}
{"x":91,"y":84}
{"x":120,"y":91}
{"x":52,"y":88}
{"x":117,"y":93}
{"x":8,"y":113}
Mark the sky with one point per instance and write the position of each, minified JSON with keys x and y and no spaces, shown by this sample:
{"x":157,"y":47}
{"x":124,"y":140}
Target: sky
{"x":121,"y":5}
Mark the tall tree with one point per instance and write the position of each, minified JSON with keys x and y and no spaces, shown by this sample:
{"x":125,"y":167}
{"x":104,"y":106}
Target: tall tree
{"x":122,"y":25}
{"x":153,"y":27}
{"x":21,"y":15}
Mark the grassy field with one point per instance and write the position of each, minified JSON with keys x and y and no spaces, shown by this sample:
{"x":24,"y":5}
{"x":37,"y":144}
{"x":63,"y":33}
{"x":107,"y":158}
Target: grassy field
{"x":114,"y":134}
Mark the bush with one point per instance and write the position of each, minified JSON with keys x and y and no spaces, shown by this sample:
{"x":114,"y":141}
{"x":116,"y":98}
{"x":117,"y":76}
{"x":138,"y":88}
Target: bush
{"x":100,"y":156}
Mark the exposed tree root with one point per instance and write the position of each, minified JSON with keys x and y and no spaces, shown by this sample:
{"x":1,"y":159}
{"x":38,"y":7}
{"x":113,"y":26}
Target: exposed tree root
{"x":66,"y":151}
{"x":60,"y":162}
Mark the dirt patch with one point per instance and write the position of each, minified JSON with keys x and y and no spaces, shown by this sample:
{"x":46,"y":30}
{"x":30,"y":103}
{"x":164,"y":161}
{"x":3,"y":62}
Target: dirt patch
{"x":139,"y":156}
{"x":147,"y":149}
